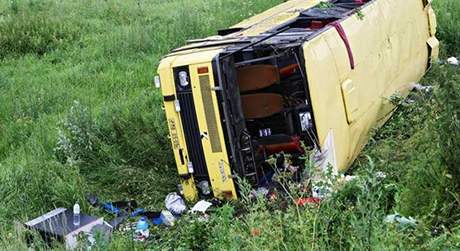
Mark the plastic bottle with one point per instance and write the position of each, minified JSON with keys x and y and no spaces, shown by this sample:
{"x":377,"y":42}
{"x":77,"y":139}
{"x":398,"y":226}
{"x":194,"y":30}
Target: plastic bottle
{"x":142,"y":230}
{"x":142,"y":224}
{"x":76,"y":214}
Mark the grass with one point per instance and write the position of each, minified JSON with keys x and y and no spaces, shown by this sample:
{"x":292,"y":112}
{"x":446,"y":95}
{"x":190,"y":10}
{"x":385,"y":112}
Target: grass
{"x":79,"y":115}
{"x":76,"y":93}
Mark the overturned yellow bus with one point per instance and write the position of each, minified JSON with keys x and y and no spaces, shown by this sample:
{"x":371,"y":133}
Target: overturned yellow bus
{"x":306,"y":72}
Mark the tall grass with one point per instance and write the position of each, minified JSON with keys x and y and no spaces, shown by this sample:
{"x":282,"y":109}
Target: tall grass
{"x":447,"y":14}
{"x":79,"y":115}
{"x":78,"y":111}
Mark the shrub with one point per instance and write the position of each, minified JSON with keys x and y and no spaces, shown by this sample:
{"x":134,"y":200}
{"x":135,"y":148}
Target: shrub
{"x":77,"y":142}
{"x":129,"y":133}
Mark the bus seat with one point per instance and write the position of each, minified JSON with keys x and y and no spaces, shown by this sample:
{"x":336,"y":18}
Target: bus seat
{"x":261,"y":105}
{"x":256,"y":77}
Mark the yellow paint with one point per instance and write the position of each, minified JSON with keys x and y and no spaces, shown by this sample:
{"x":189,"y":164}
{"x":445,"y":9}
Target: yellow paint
{"x":218,"y":167}
{"x":390,"y":43}
{"x":221,"y":180}
{"x":273,"y":17}
{"x":165,"y":71}
{"x":389,"y":56}
{"x":350,"y":100}
{"x":255,"y":25}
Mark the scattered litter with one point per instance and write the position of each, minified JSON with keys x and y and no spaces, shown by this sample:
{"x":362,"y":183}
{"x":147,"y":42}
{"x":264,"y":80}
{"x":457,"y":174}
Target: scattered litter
{"x":93,"y":200}
{"x":260,"y":192}
{"x":58,"y":224}
{"x":321,"y":191}
{"x":137,"y":212}
{"x":422,"y":88}
{"x":304,"y":201}
{"x":255,"y":232}
{"x":201,"y":206}
{"x":381,"y":175}
{"x":175,"y":204}
{"x":124,"y":210}
{"x":128,"y":227}
{"x":119,"y":207}
{"x":273,"y":196}
{"x":157,"y":221}
{"x":204,"y":187}
{"x":349,"y":178}
{"x":111,"y":209}
{"x":115,"y":223}
{"x":410,"y":101}
{"x":167,"y":218}
{"x":402,"y":221}
{"x":453,"y":61}
{"x":203,"y":218}
{"x":155,"y":217}
{"x":76,"y":214}
{"x":151,"y":214}
{"x":142,"y":232}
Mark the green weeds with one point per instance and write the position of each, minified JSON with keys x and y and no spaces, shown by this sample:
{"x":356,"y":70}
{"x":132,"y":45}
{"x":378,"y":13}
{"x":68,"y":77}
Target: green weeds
{"x":79,"y":115}
{"x":78,"y":111}
{"x":448,"y":23}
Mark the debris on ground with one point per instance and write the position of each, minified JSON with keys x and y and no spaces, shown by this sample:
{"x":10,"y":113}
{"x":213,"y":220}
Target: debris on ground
{"x":59,"y":225}
{"x":204,"y":187}
{"x":349,"y":178}
{"x":175,"y":204}
{"x":142,"y":232}
{"x":403,"y":222}
{"x":422,"y":88}
{"x":122,"y":210}
{"x":167,"y":218}
{"x":256,"y":232}
{"x":453,"y":61}
{"x":260,"y":192}
{"x":202,"y":206}
{"x":117,"y":221}
{"x":305,"y":201}
{"x":120,"y":207}
{"x":381,"y":175}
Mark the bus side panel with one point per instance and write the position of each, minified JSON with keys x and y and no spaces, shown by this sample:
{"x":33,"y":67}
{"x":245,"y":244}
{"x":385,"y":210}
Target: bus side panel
{"x":326,"y":97}
{"x":389,"y":46}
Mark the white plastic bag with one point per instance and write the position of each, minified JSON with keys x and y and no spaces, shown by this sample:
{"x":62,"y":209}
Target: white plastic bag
{"x":167,"y":218}
{"x":175,"y":204}
{"x":453,"y":61}
{"x":201,"y":206}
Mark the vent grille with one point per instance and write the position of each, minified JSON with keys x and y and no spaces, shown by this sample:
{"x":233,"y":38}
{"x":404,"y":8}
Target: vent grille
{"x":191,"y":129}
{"x":210,"y":114}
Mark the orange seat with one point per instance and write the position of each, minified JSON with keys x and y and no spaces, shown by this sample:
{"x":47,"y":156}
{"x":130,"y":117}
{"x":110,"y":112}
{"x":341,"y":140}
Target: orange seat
{"x":261,"y":105}
{"x":256,"y":77}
